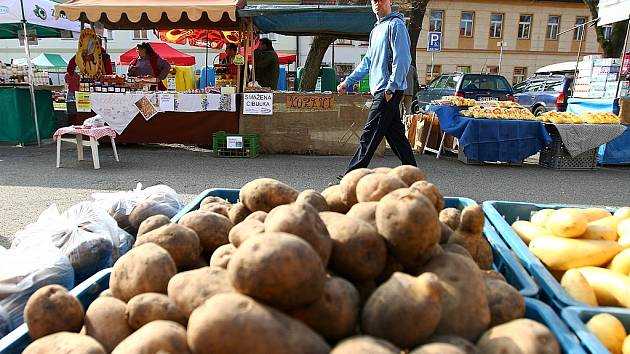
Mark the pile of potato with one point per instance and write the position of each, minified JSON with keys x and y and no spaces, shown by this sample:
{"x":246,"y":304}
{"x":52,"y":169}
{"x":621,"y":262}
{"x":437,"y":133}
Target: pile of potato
{"x":372,"y":265}
{"x":587,"y":250}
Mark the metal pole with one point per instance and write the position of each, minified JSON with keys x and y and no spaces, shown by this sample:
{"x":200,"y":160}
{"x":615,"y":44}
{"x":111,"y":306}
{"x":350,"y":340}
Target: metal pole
{"x":623,"y":55}
{"x":432,"y":61}
{"x":206,"y":68}
{"x":500,"y":57}
{"x":577,"y":60}
{"x":31,"y":86}
{"x":333,"y":54}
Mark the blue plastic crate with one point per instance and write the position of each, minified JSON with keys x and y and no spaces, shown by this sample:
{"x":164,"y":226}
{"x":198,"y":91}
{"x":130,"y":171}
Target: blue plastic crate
{"x":230,"y":194}
{"x":501,"y":215}
{"x":577,"y":316}
{"x":538,"y":311}
{"x":16,"y":341}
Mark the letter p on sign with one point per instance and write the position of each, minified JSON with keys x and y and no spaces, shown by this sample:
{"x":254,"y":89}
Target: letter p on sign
{"x":434,"y":42}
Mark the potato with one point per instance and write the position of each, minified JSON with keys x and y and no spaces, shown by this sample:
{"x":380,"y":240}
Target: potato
{"x":405,"y":310}
{"x":365,"y":289}
{"x":235,"y":323}
{"x":365,"y":345}
{"x":493,"y":275}
{"x":375,"y":186}
{"x":221,"y":257}
{"x":217,"y":208}
{"x":567,"y":223}
{"x":430,"y":191}
{"x":438,"y":348}
{"x":506,"y":303}
{"x":181,"y":242}
{"x":409,"y":224}
{"x":416,"y":269}
{"x":451,"y":217}
{"x":358,"y":251}
{"x":458,"y":249}
{"x":574,"y":283}
{"x":213,"y":200}
{"x":106,"y":321}
{"x":52,"y":309}
{"x":382,"y":169}
{"x":408,"y":174}
{"x":279,"y":269}
{"x":241,"y":232}
{"x":155,"y":338}
{"x":609,"y":330}
{"x":148,"y":208}
{"x":445,"y":233}
{"x":152,"y":222}
{"x":301,"y":220}
{"x":257,"y":215}
{"x":392,"y":265}
{"x":149,"y":307}
{"x":190,"y":289}
{"x":522,"y":336}
{"x":265,"y":194}
{"x":335,"y":314}
{"x":469,"y":234}
{"x":365,"y":211}
{"x":465,"y":310}
{"x":144,"y":269}
{"x":106,"y":293}
{"x":238,"y":212}
{"x":212,"y":228}
{"x":65,"y":343}
{"x":349,"y":183}
{"x":461,"y":343}
{"x":333,"y":195}
{"x":314,"y":198}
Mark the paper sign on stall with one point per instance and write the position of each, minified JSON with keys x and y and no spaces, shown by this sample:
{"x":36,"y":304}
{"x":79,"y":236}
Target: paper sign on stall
{"x":83,"y":102}
{"x":234,"y":142}
{"x":146,"y":108}
{"x":166,"y":102}
{"x":258,"y":103}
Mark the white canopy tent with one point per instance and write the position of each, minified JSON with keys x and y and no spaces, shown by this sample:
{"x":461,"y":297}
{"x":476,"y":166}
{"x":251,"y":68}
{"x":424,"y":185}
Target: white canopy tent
{"x":611,"y":11}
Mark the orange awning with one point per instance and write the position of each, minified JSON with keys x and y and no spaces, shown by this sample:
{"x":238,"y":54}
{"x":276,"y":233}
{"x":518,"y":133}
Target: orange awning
{"x":153,"y":14}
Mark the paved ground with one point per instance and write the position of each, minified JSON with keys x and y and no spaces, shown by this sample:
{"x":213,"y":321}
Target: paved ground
{"x":29,"y":181}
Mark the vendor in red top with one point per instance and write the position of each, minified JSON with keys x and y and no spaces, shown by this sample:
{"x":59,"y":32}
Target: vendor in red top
{"x":230,"y":52}
{"x":150,"y":64}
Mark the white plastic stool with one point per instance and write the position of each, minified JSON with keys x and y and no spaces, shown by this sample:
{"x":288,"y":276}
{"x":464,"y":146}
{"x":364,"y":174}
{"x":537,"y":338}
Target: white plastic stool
{"x":93,"y":145}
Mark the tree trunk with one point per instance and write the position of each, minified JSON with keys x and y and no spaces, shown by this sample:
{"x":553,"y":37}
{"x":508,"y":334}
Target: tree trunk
{"x":419,"y":8}
{"x":314,"y":61}
{"x":613,"y":46}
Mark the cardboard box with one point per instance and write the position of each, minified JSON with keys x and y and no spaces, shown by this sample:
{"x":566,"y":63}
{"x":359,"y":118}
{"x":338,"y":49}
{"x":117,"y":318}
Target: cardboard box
{"x":624,"y":110}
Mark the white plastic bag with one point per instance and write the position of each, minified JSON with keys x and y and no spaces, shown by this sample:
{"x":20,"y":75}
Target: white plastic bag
{"x":6,"y":325}
{"x":26,"y":269}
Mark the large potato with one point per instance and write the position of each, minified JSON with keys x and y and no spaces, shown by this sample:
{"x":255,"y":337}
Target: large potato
{"x":438,"y":348}
{"x":241,"y":232}
{"x":333,"y":196}
{"x":466,"y":346}
{"x":65,"y":343}
{"x":359,"y":252}
{"x":451,"y":217}
{"x":217,"y":208}
{"x":365,"y":345}
{"x":221,"y":257}
{"x":469,"y":234}
{"x":392,"y":265}
{"x":238,"y":212}
{"x":148,"y":208}
{"x":155,"y":337}
{"x":409,"y":224}
{"x":52,"y":309}
{"x":106,"y":321}
{"x":375,"y":186}
{"x":430,"y":191}
{"x":301,"y":220}
{"x":279,"y":269}
{"x":189,"y":290}
{"x":151,"y":223}
{"x":212,"y":228}
{"x":335,"y":314}
{"x":314,"y":198}
{"x":144,"y":269}
{"x":408,"y":174}
{"x":521,"y":336}
{"x":365,"y":211}
{"x":382,"y":169}
{"x":213,"y":200}
{"x":506,"y":303}
{"x":265,"y":194}
{"x":149,"y":307}
{"x":348,"y":185}
{"x":257,"y":215}
{"x":405,"y":310}
{"x":179,"y":241}
{"x":235,"y":323}
{"x":465,"y":310}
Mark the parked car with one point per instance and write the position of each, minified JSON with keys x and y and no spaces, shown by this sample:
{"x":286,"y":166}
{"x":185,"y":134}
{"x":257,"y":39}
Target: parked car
{"x":476,"y":86}
{"x":542,"y":94}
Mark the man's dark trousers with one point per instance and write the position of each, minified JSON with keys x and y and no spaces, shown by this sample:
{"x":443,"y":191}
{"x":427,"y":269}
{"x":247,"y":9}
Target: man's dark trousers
{"x":383,"y":121}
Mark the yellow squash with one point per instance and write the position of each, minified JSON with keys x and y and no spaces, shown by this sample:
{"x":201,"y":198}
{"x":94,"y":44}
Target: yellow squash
{"x":596,"y":213}
{"x":560,"y":253}
{"x":576,"y":285}
{"x":596,"y":231}
{"x":567,"y":223}
{"x":528,"y":231}
{"x":621,"y":262}
{"x":611,"y":288}
{"x":541,"y":217}
{"x":609,"y":330}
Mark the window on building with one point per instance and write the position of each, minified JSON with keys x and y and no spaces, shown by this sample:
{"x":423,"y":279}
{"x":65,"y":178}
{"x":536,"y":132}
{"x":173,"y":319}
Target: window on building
{"x":140,"y":35}
{"x":109,"y":35}
{"x":578,"y":33}
{"x":463,"y":69}
{"x":524,"y":26}
{"x":607,"y":31}
{"x":492,"y":69}
{"x":496,"y":25}
{"x":437,"y":69}
{"x":553,"y":25}
{"x":520,"y":74}
{"x":466,"y":24}
{"x":436,"y":21}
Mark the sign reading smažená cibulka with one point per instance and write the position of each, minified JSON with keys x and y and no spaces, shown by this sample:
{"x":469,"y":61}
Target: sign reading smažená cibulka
{"x":258,"y":103}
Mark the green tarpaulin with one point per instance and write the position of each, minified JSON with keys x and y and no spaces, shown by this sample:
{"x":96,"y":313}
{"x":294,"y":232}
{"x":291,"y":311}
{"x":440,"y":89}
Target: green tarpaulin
{"x":44,"y":60}
{"x":16,"y":123}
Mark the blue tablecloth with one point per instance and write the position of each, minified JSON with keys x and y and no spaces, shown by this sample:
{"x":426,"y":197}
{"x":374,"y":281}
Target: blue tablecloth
{"x":579,"y":106}
{"x":491,"y":139}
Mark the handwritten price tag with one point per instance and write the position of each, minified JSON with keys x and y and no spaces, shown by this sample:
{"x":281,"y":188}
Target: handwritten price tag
{"x":311,"y":102}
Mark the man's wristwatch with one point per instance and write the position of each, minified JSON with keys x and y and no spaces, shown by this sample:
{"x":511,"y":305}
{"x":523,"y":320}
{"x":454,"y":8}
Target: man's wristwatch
{"x":389,"y":92}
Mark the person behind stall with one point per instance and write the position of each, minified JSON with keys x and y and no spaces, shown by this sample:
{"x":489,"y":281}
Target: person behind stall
{"x":149,"y":63}
{"x":266,"y":64}
{"x":230,"y":52}
{"x":412,"y":78}
{"x":73,"y":79}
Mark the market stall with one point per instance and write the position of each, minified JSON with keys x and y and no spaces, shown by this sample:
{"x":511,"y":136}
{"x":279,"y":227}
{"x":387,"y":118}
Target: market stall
{"x":130,"y":106}
{"x":321,"y":123}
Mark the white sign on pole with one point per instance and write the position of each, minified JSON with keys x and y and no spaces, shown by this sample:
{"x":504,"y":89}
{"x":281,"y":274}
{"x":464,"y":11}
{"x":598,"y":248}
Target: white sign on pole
{"x":611,"y":11}
{"x":234,"y":142}
{"x":258,"y":103}
{"x":434,"y":41}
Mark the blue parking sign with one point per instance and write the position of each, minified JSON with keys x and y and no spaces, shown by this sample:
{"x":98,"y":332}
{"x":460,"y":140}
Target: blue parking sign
{"x":434,"y":42}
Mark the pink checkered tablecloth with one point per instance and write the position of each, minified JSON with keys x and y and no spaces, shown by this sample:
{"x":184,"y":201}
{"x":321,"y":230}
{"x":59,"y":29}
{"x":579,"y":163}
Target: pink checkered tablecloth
{"x":96,"y":133}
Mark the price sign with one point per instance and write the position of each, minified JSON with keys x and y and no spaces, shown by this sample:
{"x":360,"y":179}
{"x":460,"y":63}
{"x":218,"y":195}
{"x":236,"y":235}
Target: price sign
{"x":311,"y":102}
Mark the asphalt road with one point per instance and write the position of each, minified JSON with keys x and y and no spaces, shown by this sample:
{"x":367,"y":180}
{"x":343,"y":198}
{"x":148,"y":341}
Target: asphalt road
{"x":29,"y":181}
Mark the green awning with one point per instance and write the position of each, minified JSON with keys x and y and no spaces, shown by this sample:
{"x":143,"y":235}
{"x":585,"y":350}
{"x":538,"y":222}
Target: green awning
{"x":10,"y":30}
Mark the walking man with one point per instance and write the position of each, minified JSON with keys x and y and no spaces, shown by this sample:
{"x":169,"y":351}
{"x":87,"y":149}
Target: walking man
{"x":387,"y":60}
